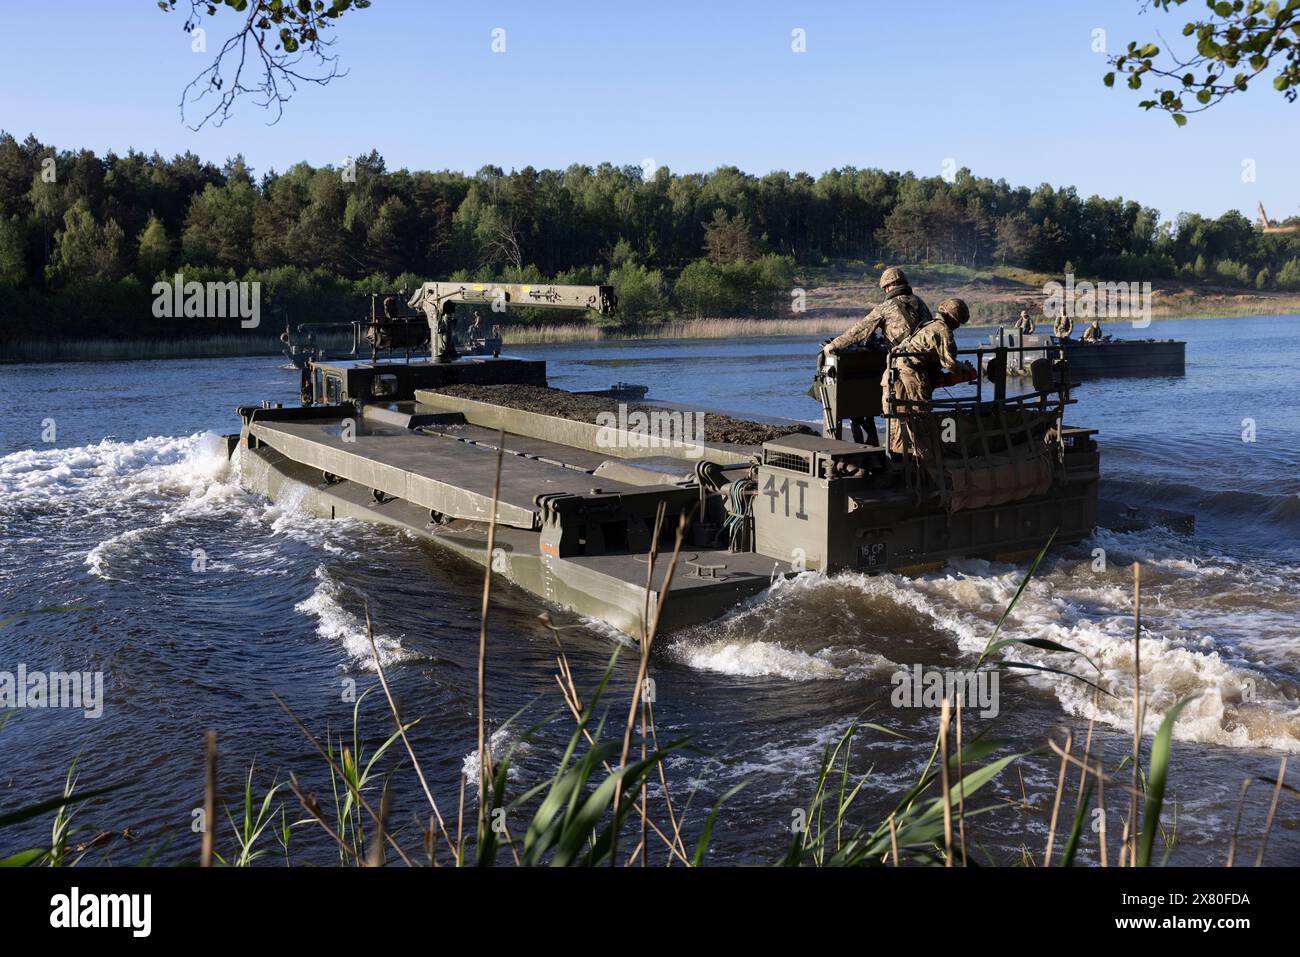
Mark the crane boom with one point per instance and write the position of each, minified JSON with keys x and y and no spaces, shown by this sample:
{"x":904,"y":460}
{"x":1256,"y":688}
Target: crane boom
{"x":438,"y":301}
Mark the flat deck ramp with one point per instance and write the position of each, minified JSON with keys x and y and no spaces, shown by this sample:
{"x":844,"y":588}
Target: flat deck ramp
{"x":553,"y":452}
{"x":452,"y":477}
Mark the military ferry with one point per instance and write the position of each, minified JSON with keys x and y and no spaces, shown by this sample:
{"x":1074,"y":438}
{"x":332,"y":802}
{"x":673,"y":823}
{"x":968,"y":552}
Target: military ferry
{"x":575,"y":491}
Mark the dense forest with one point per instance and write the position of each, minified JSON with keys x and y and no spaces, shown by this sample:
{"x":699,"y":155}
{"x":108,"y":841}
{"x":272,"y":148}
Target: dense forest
{"x":83,"y":237}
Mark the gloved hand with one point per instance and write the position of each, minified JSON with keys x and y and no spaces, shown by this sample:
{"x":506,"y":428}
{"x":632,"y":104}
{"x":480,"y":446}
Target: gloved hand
{"x":965,"y":372}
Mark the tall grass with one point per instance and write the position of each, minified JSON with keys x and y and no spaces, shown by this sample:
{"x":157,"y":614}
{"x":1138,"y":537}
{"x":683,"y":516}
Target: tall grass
{"x":554,"y":333}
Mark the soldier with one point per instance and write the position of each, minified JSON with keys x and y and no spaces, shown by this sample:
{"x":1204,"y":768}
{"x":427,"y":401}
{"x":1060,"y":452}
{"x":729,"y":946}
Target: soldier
{"x":896,"y":318}
{"x":1063,"y":327}
{"x":1093,"y":332}
{"x":901,"y":314}
{"x":930,"y":351}
{"x":1025,"y":325}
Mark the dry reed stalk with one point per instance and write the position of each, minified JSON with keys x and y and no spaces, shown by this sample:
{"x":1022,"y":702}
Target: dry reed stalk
{"x":310,"y":805}
{"x":397,"y":718}
{"x":647,"y":641}
{"x":961,"y":788}
{"x":209,"y":796}
{"x":1272,"y":810}
{"x":1056,"y":801}
{"x":573,"y":700}
{"x":375,"y":856}
{"x":484,"y":758}
{"x":1236,"y":824}
{"x":356,"y":792}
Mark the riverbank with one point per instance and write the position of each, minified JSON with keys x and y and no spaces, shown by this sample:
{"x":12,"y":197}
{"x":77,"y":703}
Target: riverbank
{"x":834,"y":297}
{"x":189,"y":347}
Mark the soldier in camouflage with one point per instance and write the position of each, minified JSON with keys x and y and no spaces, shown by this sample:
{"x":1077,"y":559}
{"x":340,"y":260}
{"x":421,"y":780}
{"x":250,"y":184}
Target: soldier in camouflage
{"x":930,"y":361}
{"x":895,"y":319}
{"x":1063,"y":327}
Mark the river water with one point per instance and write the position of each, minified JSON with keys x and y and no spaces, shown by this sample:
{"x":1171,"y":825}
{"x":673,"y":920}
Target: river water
{"x":197,"y":600}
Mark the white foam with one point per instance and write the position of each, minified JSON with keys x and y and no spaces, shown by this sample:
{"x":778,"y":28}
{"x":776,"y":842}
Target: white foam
{"x":192,"y":466}
{"x":1190,"y":646}
{"x":335,"y":623}
{"x":756,"y":658}
{"x":500,"y":741}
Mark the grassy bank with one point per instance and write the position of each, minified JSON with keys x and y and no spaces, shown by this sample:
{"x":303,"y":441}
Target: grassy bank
{"x":835,"y":297}
{"x":677,"y":329}
{"x":192,"y":347}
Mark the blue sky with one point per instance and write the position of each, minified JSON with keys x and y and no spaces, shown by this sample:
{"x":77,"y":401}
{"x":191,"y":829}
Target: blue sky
{"x":1011,"y":89}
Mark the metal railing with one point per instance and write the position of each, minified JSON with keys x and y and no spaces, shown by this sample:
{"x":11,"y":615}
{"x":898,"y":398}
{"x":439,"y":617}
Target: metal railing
{"x":1026,"y":424}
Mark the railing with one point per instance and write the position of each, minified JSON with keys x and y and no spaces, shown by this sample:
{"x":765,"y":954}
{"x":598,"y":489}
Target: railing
{"x":971,"y":431}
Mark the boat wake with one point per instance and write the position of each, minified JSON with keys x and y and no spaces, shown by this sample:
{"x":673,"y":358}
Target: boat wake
{"x":1237,"y":655}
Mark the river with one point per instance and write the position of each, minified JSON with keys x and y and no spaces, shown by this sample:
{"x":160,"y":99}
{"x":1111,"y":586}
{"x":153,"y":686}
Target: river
{"x":197,"y":600}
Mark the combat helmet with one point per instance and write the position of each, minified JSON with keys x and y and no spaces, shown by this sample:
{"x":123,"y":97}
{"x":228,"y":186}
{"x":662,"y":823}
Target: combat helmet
{"x":893,"y":276}
{"x":955,"y":310}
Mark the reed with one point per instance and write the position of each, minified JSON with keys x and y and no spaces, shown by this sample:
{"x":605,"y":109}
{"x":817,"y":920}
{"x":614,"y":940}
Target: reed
{"x":560,"y":333}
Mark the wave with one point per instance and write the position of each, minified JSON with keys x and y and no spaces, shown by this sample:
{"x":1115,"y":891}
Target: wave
{"x":336,"y":624}
{"x":173,"y":467}
{"x":1258,"y":507}
{"x":791,"y":632}
{"x":504,"y":739}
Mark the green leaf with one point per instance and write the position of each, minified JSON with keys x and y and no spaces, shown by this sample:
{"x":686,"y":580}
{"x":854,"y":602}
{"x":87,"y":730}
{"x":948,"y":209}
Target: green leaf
{"x":1180,"y":119}
{"x":1157,"y":777}
{"x":25,"y":858}
{"x":35,"y":810}
{"x":707,"y":834}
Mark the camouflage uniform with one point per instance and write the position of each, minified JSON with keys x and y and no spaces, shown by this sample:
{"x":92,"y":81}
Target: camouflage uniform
{"x":1025,"y":324}
{"x":1092,"y":333}
{"x":897,"y":317}
{"x":1063,"y":327}
{"x":916,"y":374}
{"x":901,"y":314}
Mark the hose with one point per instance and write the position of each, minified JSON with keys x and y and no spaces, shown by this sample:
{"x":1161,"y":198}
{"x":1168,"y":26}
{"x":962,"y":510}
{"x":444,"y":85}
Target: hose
{"x":739,"y":505}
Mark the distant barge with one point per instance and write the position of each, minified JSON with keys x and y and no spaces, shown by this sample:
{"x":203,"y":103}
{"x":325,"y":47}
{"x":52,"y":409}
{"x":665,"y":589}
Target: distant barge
{"x":1094,"y":360}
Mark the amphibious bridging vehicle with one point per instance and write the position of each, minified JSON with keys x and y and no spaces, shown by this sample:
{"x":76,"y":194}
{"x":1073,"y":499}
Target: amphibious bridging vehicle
{"x":416,"y":445}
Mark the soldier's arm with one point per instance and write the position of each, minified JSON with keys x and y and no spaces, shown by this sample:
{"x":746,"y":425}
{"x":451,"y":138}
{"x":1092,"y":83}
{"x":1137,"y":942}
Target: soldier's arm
{"x":947,"y":349}
{"x":859,"y":332}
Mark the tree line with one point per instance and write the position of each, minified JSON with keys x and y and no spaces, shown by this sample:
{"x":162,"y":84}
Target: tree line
{"x":75,"y":225}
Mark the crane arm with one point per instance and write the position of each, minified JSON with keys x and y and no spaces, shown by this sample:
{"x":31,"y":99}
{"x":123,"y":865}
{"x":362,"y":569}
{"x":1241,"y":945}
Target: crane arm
{"x":439,"y":298}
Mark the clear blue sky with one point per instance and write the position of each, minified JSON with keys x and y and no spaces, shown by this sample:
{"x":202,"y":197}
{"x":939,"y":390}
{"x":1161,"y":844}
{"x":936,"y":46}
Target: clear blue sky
{"x":1011,"y":89}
